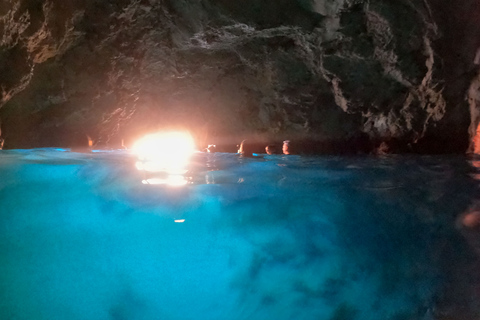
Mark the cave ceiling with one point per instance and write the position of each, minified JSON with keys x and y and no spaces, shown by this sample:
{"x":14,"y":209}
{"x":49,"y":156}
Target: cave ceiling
{"x":401,"y":72}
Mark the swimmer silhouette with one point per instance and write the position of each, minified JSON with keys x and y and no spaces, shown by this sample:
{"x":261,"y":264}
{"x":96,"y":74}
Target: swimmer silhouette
{"x":211,"y":148}
{"x":81,"y":143}
{"x":245,"y":149}
{"x":286,"y":148}
{"x":270,"y":149}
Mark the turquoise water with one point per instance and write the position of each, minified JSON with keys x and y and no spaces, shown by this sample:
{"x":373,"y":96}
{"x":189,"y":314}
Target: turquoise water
{"x":279,"y":237}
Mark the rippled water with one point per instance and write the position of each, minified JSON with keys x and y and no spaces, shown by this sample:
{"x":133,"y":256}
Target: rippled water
{"x":279,"y":237}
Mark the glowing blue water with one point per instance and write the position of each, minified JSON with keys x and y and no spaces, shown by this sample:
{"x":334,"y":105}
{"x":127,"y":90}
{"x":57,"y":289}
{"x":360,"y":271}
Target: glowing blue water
{"x":275,"y":238}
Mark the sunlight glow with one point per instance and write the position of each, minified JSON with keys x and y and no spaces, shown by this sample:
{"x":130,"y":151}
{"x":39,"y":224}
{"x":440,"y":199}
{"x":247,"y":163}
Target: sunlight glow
{"x":172,"y":180}
{"x":165,"y":152}
{"x":165,"y":149}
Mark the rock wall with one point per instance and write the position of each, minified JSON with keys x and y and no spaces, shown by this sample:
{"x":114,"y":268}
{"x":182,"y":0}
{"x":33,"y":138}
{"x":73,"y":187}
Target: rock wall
{"x":350,"y":75}
{"x":31,"y":33}
{"x":458,"y":49}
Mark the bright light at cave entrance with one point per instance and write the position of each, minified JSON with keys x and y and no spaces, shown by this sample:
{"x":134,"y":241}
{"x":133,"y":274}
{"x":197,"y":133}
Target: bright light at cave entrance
{"x":164,"y":151}
{"x":165,"y":145}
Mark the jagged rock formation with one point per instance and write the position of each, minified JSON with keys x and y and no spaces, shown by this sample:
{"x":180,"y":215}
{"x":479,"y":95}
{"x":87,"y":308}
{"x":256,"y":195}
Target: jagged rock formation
{"x":457,"y":47}
{"x":32,"y":32}
{"x":352,"y":75}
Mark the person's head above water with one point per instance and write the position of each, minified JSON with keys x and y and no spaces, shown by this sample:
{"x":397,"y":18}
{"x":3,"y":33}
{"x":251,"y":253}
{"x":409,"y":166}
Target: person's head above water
{"x":211,"y":148}
{"x":245,"y":149}
{"x":81,"y":143}
{"x":286,"y":148}
{"x":271,"y":149}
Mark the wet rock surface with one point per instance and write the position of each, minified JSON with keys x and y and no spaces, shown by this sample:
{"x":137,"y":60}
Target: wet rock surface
{"x":346,"y":76}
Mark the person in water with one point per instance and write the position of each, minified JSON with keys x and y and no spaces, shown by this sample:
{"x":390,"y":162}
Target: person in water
{"x":211,"y":148}
{"x":81,"y":143}
{"x":270,"y":149}
{"x":247,"y":149}
{"x":286,"y":148}
{"x":2,"y":141}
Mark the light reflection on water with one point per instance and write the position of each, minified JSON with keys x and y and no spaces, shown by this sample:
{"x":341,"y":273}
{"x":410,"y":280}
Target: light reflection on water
{"x":88,"y":236}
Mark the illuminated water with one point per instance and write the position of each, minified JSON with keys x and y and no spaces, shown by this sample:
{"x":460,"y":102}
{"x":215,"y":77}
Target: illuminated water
{"x":364,"y":238}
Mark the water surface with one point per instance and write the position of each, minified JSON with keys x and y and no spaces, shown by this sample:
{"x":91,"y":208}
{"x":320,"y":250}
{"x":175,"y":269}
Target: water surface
{"x":84,"y":236}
